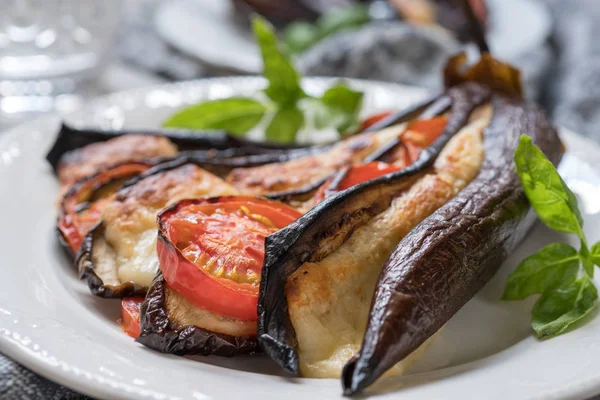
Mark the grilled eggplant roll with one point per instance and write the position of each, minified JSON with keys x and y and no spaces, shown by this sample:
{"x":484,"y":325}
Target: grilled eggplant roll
{"x":448,"y":258}
{"x":325,"y":266}
{"x":320,"y":273}
{"x":118,"y":256}
{"x":91,"y":159}
{"x":81,"y":206}
{"x":204,"y":299}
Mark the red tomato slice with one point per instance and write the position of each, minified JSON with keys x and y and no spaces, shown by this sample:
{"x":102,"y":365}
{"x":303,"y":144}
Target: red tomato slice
{"x":355,"y":175}
{"x":130,"y":315}
{"x":75,"y":224}
{"x":366,"y":172}
{"x":422,"y":133}
{"x":212,"y":250}
{"x":373,"y":119}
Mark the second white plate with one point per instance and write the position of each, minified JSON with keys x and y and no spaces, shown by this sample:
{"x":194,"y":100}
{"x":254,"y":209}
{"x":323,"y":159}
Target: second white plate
{"x":206,"y":29}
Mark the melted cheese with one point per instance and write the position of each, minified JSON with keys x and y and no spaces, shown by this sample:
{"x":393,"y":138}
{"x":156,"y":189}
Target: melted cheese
{"x":329,"y":301}
{"x":130,"y":219}
{"x":182,"y":313}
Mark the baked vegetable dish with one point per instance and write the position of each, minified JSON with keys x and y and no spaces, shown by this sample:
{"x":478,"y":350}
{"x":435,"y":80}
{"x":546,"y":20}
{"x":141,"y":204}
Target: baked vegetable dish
{"x":337,"y":261}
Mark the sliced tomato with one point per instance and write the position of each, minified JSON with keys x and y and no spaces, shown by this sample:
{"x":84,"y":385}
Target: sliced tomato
{"x":75,"y":221}
{"x":355,"y":175}
{"x":130,"y":315}
{"x":212,"y":250}
{"x":420,"y":134}
{"x":366,"y":172}
{"x":373,"y":119}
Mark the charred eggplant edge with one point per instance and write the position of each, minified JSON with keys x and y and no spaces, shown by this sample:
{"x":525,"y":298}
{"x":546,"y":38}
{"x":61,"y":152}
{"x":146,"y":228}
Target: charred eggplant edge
{"x":159,"y":333}
{"x":85,"y":265}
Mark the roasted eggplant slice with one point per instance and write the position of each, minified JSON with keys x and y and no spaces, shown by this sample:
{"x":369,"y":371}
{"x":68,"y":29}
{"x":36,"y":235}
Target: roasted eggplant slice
{"x":70,"y":139}
{"x":321,"y":270}
{"x":401,"y":152}
{"x":388,"y":147}
{"x":81,"y":206}
{"x":168,"y":325}
{"x":298,"y":179}
{"x":303,"y":172}
{"x":89,"y":160}
{"x":210,"y":253}
{"x":447,"y":258}
{"x":101,"y":149}
{"x":118,"y":257}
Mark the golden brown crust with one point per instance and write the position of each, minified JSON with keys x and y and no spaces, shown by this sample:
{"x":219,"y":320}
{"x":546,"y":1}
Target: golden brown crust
{"x":282,"y":177}
{"x":92,"y":158}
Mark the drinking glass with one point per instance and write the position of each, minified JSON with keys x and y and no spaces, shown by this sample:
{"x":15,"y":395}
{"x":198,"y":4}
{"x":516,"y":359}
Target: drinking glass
{"x":49,"y":48}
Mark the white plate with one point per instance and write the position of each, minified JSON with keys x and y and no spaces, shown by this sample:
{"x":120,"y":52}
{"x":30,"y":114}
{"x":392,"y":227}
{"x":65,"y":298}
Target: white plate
{"x":50,"y":323}
{"x":206,"y":30}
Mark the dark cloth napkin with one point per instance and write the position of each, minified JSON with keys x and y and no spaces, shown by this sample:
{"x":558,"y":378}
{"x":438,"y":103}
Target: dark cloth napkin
{"x":19,"y":383}
{"x":569,"y":87}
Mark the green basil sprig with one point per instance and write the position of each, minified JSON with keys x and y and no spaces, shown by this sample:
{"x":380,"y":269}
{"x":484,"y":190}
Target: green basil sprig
{"x":558,"y":272}
{"x":287,"y":104}
{"x":237,"y":115}
{"x":300,"y":36}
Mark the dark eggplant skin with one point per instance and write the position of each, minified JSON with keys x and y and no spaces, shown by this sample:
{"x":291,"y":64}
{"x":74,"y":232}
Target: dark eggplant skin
{"x":159,"y":333}
{"x":226,"y":145}
{"x":448,"y":258}
{"x":323,"y":229}
{"x":87,"y":272}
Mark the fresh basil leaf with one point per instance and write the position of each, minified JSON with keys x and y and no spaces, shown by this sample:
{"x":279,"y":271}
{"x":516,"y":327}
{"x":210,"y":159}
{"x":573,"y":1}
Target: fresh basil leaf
{"x":552,"y":200}
{"x":595,"y":254}
{"x":330,"y":117}
{"x":342,"y":97}
{"x":285,"y":124}
{"x":284,"y":81}
{"x":236,"y":115}
{"x":555,"y":264}
{"x":299,"y":36}
{"x":339,"y":108}
{"x":559,"y":308}
{"x":586,"y":259}
{"x":341,"y":18}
